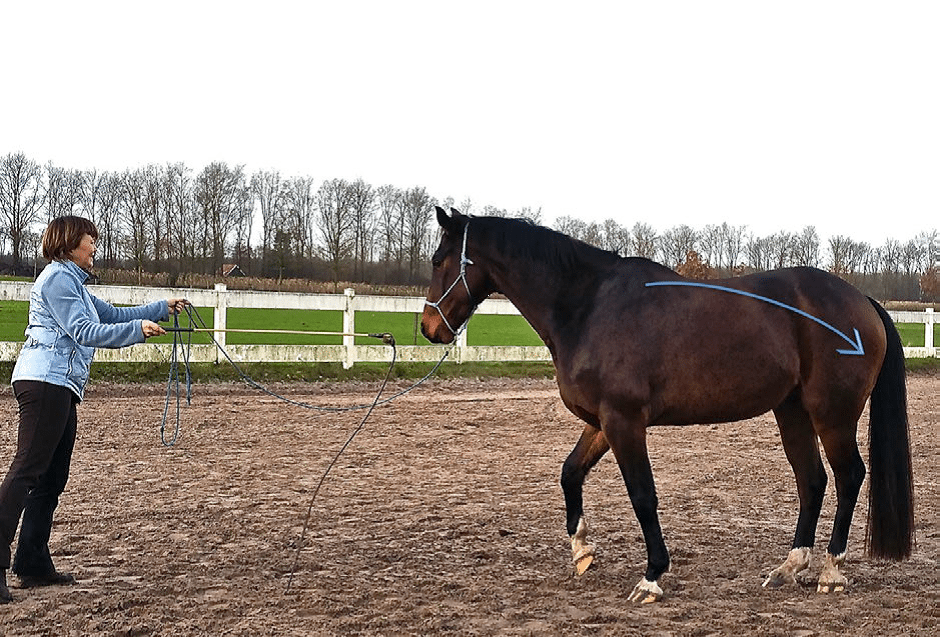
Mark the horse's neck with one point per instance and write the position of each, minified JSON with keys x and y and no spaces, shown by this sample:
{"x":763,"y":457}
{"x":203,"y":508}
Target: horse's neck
{"x":544,"y":292}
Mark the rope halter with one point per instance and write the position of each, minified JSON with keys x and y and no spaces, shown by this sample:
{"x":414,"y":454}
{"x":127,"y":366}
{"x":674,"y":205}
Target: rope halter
{"x":461,"y":278}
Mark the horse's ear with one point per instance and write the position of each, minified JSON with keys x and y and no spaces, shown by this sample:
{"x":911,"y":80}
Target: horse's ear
{"x":451,"y":225}
{"x":442,"y":219}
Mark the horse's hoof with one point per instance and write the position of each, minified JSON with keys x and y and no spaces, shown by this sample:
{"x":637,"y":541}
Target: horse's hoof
{"x":582,"y":557}
{"x":583,"y":563}
{"x":831,"y":580}
{"x":646,"y":592}
{"x":798,"y":560}
{"x":778,"y":580}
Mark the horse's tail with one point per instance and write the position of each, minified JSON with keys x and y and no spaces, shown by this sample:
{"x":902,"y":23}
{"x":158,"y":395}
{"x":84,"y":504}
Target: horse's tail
{"x":890,"y":532}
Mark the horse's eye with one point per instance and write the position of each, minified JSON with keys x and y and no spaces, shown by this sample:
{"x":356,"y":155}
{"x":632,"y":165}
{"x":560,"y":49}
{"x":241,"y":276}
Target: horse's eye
{"x":437,"y":262}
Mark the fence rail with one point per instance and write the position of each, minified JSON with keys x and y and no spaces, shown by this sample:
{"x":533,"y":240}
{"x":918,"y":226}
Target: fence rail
{"x":349,"y":352}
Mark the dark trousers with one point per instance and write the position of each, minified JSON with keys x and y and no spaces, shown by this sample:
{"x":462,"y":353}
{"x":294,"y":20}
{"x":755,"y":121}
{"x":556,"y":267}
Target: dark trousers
{"x":37,"y":475}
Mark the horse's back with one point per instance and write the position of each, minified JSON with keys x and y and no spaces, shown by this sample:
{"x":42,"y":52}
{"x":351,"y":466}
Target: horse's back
{"x":728,"y":349}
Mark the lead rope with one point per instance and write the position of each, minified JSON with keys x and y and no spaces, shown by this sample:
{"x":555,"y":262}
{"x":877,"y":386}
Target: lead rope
{"x":316,"y":491}
{"x":173,"y":382}
{"x":196,"y":320}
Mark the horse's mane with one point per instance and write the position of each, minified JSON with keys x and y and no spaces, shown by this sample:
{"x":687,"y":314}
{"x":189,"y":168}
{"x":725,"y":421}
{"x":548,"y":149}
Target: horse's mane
{"x":522,"y":238}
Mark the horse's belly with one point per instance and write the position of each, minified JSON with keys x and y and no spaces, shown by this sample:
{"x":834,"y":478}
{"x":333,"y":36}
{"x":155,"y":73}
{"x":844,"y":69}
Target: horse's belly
{"x":725,"y":397}
{"x":691,"y":416}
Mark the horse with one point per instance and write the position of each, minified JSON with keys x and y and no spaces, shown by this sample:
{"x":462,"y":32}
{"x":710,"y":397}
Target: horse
{"x":635,"y":345}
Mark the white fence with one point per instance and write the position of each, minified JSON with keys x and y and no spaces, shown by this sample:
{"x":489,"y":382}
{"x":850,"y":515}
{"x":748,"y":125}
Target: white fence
{"x":349,"y":352}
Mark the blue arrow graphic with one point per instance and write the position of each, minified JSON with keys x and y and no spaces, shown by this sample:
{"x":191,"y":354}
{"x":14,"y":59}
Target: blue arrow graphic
{"x":856,"y":350}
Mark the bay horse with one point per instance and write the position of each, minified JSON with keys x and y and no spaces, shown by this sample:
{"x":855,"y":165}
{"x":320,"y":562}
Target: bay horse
{"x":635,"y":345}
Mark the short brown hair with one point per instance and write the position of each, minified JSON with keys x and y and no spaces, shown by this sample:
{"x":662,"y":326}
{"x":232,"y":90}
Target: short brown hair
{"x":64,"y":234}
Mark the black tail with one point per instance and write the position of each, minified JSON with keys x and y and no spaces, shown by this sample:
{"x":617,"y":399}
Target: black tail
{"x":890,"y":531}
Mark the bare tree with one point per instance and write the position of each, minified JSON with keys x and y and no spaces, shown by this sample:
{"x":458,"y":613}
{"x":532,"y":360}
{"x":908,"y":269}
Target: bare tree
{"x":490,"y":210}
{"x":108,"y":206}
{"x":847,"y":255}
{"x":156,"y":213}
{"x":268,"y":191}
{"x":731,"y":242}
{"x":757,"y":252}
{"x":417,"y":211}
{"x":362,"y":204}
{"x":63,"y":191}
{"x":526,"y":212}
{"x":709,"y":243}
{"x":20,"y":198}
{"x":391,"y":225}
{"x":89,"y":198}
{"x":779,"y":249}
{"x":299,"y":211}
{"x":137,"y":217}
{"x":593,"y":234}
{"x":571,"y":226}
{"x":913,"y":257}
{"x":806,"y":248}
{"x":645,"y":241}
{"x":242,"y":223}
{"x":931,"y":242}
{"x":334,"y":221}
{"x":221,"y":195}
{"x":891,"y":256}
{"x":677,"y":243}
{"x":184,"y":229}
{"x":616,"y":238}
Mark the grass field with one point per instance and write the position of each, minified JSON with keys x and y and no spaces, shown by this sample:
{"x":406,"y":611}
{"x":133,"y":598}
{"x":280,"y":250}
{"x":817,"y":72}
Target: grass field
{"x":483,"y":330}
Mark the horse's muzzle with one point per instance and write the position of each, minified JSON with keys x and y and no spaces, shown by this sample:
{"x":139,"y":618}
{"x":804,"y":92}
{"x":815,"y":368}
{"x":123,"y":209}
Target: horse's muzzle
{"x":434,"y":329}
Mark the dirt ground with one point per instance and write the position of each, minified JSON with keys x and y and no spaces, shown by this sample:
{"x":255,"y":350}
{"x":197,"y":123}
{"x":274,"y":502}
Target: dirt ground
{"x":444,"y":516}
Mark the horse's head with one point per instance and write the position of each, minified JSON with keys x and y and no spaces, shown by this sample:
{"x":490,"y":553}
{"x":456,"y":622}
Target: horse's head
{"x":457,"y":285}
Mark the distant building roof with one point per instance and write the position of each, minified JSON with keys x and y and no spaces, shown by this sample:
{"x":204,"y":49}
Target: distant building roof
{"x":232,"y":269}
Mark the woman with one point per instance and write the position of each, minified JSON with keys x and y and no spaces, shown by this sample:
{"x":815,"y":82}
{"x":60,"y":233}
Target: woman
{"x":66,"y":324}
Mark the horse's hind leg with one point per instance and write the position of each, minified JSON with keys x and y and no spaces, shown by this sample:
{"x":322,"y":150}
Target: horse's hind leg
{"x":799,"y":443}
{"x":849,"y":470}
{"x":591,"y":446}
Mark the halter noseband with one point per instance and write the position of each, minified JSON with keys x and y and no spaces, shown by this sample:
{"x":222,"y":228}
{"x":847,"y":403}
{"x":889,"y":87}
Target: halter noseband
{"x":462,"y":277}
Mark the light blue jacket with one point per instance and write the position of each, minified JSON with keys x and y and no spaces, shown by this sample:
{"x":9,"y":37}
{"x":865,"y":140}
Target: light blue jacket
{"x":67,"y":323}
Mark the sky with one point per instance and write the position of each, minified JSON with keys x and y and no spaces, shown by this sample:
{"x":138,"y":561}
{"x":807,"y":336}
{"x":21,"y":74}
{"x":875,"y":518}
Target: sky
{"x":771,"y":115}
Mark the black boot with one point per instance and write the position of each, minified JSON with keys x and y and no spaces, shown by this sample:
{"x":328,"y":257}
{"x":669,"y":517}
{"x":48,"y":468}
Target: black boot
{"x":32,"y":550}
{"x":49,"y":579}
{"x":5,"y":596}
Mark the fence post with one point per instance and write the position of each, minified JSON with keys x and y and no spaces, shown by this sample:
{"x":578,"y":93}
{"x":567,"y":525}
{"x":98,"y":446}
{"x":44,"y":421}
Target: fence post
{"x":349,"y":326}
{"x":218,"y":322}
{"x":928,"y":330}
{"x":461,"y":347}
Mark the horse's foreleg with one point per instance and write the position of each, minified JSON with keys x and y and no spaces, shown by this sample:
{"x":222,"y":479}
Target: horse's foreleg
{"x":591,"y":446}
{"x":627,"y":438}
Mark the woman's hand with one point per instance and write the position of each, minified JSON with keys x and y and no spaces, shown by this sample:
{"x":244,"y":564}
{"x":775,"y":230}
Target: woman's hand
{"x":176,"y":305}
{"x":150,"y":328}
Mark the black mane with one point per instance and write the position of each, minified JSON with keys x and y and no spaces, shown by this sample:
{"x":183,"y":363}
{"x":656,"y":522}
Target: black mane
{"x":524,"y":239}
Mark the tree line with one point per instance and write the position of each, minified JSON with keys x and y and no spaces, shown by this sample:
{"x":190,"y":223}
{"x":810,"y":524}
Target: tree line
{"x":172,"y":219}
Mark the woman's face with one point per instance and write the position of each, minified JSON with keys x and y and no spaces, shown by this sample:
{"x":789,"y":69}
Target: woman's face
{"x":84,"y":254}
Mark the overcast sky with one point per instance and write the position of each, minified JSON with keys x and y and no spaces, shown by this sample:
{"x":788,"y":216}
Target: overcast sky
{"x":774,"y":115}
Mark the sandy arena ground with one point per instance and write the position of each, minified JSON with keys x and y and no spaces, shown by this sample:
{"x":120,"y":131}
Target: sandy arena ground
{"x":444,"y":516}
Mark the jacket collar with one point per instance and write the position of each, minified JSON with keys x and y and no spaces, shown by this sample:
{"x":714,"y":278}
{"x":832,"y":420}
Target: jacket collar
{"x":76,"y":271}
